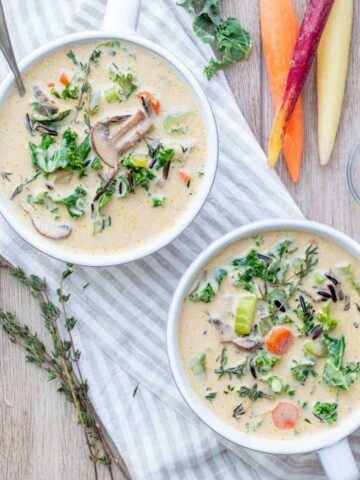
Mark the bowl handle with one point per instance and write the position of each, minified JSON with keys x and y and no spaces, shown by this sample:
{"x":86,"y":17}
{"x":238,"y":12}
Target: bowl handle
{"x":338,"y":462}
{"x":121,"y":16}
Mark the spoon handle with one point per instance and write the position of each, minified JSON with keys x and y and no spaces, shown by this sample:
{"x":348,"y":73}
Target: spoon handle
{"x":6,"y":48}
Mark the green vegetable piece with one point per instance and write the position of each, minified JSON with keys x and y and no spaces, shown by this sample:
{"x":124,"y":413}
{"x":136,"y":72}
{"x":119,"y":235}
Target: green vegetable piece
{"x":95,"y":99}
{"x":325,"y":412}
{"x":56,"y":117}
{"x":198,"y":365}
{"x":275,"y":384}
{"x":220,"y":275}
{"x":112,"y":95}
{"x":158,"y":202}
{"x":173,"y":119}
{"x":265,"y":326}
{"x":323,"y":317}
{"x":301,"y":369}
{"x":264,"y":362}
{"x":74,"y":203}
{"x":347,"y":272}
{"x":245,"y":314}
{"x":96,"y":164}
{"x":125,"y":82}
{"x":70,"y":155}
{"x":233,"y":42}
{"x":334,"y":374}
{"x":204,"y":295}
{"x":319,"y":278}
{"x":68,"y":92}
{"x":315,"y":348}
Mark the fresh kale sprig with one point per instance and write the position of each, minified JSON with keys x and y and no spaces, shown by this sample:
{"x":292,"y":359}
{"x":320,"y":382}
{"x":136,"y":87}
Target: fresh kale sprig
{"x":62,"y":363}
{"x":233,"y":42}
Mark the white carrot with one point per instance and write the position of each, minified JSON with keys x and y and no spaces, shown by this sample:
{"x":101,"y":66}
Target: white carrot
{"x":333,"y":57}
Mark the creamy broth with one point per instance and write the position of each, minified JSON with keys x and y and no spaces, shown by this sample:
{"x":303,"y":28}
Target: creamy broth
{"x":128,"y":221}
{"x":298,"y":388}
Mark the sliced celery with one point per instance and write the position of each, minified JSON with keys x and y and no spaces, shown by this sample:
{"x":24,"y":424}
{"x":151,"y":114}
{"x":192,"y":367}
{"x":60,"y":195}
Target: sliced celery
{"x":245,"y":314}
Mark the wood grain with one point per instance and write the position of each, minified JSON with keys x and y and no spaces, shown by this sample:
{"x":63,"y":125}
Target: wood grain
{"x":39,"y":436}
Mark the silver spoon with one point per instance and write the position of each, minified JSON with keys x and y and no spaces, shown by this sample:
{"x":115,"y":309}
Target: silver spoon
{"x":7,"y":50}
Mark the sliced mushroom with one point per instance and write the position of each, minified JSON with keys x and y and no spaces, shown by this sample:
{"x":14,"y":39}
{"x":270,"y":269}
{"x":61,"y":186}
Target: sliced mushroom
{"x":247,"y":343}
{"x":45,"y":107}
{"x":49,"y":229}
{"x":109,"y":145}
{"x":227,"y":335}
{"x":106,"y":173}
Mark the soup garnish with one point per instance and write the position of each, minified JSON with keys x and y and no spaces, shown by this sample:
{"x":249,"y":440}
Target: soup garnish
{"x":268,"y":334}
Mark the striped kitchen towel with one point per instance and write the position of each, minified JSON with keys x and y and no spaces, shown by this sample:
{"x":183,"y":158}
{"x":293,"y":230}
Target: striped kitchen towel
{"x":122,"y":314}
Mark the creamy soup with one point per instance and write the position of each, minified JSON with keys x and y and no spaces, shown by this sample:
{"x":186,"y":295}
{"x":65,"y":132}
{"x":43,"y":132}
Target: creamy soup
{"x":269,"y":334}
{"x":106,"y":151}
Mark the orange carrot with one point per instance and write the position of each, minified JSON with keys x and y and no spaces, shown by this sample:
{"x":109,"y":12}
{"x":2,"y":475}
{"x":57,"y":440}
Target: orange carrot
{"x":185,"y":176}
{"x":51,"y":85}
{"x":64,"y":79}
{"x":285,"y":415}
{"x":313,"y":24}
{"x":279,"y":32}
{"x":279,"y":341}
{"x":154,"y":102}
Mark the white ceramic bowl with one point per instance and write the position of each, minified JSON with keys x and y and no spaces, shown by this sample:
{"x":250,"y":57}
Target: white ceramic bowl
{"x":332,"y":445}
{"x":119,"y":17}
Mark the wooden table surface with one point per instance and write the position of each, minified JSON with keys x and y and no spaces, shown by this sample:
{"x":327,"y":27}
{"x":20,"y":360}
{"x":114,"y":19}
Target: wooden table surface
{"x":39,"y":436}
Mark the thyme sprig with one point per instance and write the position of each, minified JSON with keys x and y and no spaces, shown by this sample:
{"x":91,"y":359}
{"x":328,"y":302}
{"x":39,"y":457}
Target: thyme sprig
{"x":85,"y":87}
{"x":62,"y":363}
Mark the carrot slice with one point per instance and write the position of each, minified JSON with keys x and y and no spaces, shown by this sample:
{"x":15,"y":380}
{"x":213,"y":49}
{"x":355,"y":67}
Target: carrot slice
{"x":51,"y":85}
{"x":285,"y":415}
{"x":154,"y":102}
{"x":185,"y":176}
{"x":279,"y":341}
{"x":279,"y":32}
{"x":64,"y":79}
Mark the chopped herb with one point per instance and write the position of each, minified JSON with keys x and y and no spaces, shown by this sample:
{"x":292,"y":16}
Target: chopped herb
{"x":70,"y":54}
{"x":74,"y":203}
{"x":325,"y":412}
{"x":258,"y":239}
{"x":5,"y":176}
{"x":202,"y":295}
{"x":238,"y":371}
{"x":302,"y":368}
{"x":220,"y":275}
{"x":158,"y":201}
{"x":200,"y":174}
{"x":20,"y":187}
{"x":96,"y":164}
{"x":125,"y":82}
{"x":68,"y":92}
{"x":135,"y":390}
{"x":238,"y":411}
{"x":252,"y":393}
{"x":210,"y":395}
{"x":264,"y":362}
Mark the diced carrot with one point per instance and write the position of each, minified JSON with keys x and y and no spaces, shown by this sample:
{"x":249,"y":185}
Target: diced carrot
{"x":279,"y":32}
{"x":279,"y":341}
{"x":185,"y":176}
{"x":285,"y":415}
{"x":154,"y":102}
{"x":51,"y":85}
{"x":64,"y":79}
